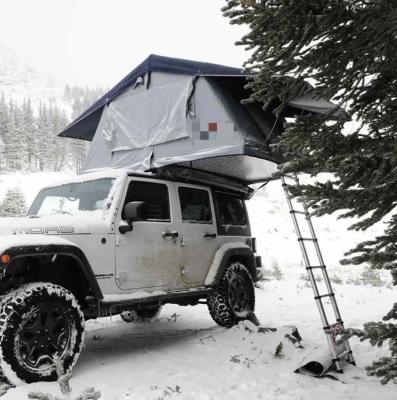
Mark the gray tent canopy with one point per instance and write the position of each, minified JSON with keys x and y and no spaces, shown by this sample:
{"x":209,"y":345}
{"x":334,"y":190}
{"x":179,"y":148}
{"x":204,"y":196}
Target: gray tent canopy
{"x":172,"y":114}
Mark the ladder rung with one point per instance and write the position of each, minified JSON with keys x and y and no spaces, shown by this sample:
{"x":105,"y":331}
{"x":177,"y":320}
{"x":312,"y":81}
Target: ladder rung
{"x":316,"y":266}
{"x":324,"y":295}
{"x":343,"y":354}
{"x":307,"y":239}
{"x":291,"y":177}
{"x":329,"y":327}
{"x":298,"y":212}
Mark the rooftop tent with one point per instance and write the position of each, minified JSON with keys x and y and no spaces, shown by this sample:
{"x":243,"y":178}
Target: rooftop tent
{"x":188,"y":115}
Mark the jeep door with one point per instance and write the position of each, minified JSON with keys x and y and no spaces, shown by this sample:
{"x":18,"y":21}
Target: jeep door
{"x":148,"y":256}
{"x":198,"y":230}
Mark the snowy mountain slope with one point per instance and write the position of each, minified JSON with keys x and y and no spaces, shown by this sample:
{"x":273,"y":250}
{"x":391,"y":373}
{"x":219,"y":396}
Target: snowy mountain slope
{"x":19,"y":81}
{"x":185,"y":356}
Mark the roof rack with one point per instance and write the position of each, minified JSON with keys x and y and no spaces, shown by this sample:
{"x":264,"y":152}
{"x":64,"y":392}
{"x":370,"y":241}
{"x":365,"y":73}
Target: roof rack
{"x":192,"y":175}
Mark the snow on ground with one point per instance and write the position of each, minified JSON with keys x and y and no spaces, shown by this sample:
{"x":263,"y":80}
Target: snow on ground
{"x":184,"y":355}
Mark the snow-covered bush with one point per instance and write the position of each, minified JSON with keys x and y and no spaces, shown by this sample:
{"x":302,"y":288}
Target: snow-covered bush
{"x":14,"y":204}
{"x":371,"y":277}
{"x":336,"y":279}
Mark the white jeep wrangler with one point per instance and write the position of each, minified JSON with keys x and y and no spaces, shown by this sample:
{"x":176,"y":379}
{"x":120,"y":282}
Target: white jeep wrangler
{"x":112,"y":242}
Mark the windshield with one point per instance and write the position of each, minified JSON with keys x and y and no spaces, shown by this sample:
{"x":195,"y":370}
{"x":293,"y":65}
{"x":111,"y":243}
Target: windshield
{"x":73,"y":198}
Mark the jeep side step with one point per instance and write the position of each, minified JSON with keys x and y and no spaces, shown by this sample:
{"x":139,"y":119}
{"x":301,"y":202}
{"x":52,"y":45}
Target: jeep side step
{"x":156,"y":296}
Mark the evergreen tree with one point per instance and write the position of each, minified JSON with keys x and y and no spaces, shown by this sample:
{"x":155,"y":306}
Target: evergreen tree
{"x":28,"y":136}
{"x":347,"y":49}
{"x":3,"y":123}
{"x":14,"y":204}
{"x":80,"y":99}
{"x":10,"y":144}
{"x":43,"y":133}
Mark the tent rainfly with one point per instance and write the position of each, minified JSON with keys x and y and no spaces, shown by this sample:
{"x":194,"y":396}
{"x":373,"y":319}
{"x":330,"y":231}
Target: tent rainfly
{"x":173,"y":113}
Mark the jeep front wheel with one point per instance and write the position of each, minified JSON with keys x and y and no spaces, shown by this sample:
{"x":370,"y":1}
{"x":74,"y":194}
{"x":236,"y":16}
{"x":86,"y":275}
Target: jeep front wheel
{"x":233,"y":299}
{"x":41,"y":325}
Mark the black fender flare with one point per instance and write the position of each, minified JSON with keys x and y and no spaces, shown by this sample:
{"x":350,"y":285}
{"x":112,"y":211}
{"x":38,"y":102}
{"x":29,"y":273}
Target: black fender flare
{"x":52,"y":250}
{"x":243,"y":254}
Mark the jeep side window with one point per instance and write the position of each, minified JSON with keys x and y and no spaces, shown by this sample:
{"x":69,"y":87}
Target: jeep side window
{"x":195,"y":205}
{"x":156,"y":197}
{"x":231,"y":210}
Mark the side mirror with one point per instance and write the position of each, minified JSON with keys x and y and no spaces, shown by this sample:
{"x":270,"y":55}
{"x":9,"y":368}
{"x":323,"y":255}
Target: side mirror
{"x":133,"y":211}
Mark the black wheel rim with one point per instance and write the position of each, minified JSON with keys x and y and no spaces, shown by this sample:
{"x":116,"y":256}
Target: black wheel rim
{"x":239,"y":290}
{"x":44,"y":336}
{"x":128,"y":315}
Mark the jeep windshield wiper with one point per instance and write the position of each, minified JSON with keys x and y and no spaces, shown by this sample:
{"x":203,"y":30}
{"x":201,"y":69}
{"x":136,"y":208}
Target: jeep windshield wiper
{"x":61,"y":211}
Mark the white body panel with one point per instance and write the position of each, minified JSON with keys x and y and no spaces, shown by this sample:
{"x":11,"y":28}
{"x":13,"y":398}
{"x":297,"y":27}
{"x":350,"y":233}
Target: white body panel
{"x":144,"y":257}
{"x":197,"y":251}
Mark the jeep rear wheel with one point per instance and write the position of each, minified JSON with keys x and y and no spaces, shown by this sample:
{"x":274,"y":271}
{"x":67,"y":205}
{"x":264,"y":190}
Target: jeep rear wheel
{"x":144,"y":314}
{"x":41,"y":324}
{"x":234,"y":298}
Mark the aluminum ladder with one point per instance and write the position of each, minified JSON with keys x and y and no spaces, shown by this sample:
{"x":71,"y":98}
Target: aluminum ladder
{"x":335,"y":332}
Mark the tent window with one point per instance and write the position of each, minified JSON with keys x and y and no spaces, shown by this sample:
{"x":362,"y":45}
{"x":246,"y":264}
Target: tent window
{"x":156,"y":197}
{"x":195,"y":205}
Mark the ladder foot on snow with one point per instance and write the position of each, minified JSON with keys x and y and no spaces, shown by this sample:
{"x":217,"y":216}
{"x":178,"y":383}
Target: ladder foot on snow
{"x":253,"y":318}
{"x":338,"y":343}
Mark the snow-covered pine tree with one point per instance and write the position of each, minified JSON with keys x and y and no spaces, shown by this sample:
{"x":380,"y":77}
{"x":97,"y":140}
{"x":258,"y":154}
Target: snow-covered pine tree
{"x":3,"y":123}
{"x":80,"y":99}
{"x":28,"y":137}
{"x":29,"y":131}
{"x":348,"y":49}
{"x":14,"y":204}
{"x":59,"y":146}
{"x":18,"y":139}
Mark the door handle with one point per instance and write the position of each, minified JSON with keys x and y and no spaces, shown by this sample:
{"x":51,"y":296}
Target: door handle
{"x":210,"y":235}
{"x":172,"y":234}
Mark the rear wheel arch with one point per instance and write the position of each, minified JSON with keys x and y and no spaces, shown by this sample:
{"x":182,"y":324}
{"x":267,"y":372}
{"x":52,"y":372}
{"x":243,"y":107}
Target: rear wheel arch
{"x":226,"y":256}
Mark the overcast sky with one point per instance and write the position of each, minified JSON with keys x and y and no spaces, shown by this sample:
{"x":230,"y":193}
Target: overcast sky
{"x":97,"y":42}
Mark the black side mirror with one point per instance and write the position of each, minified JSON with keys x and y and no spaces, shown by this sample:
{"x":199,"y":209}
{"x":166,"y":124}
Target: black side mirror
{"x":133,"y":211}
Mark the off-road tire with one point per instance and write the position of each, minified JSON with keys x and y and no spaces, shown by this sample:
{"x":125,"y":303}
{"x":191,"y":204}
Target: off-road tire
{"x":37,"y":322}
{"x":145,"y":314}
{"x":233,"y":300}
